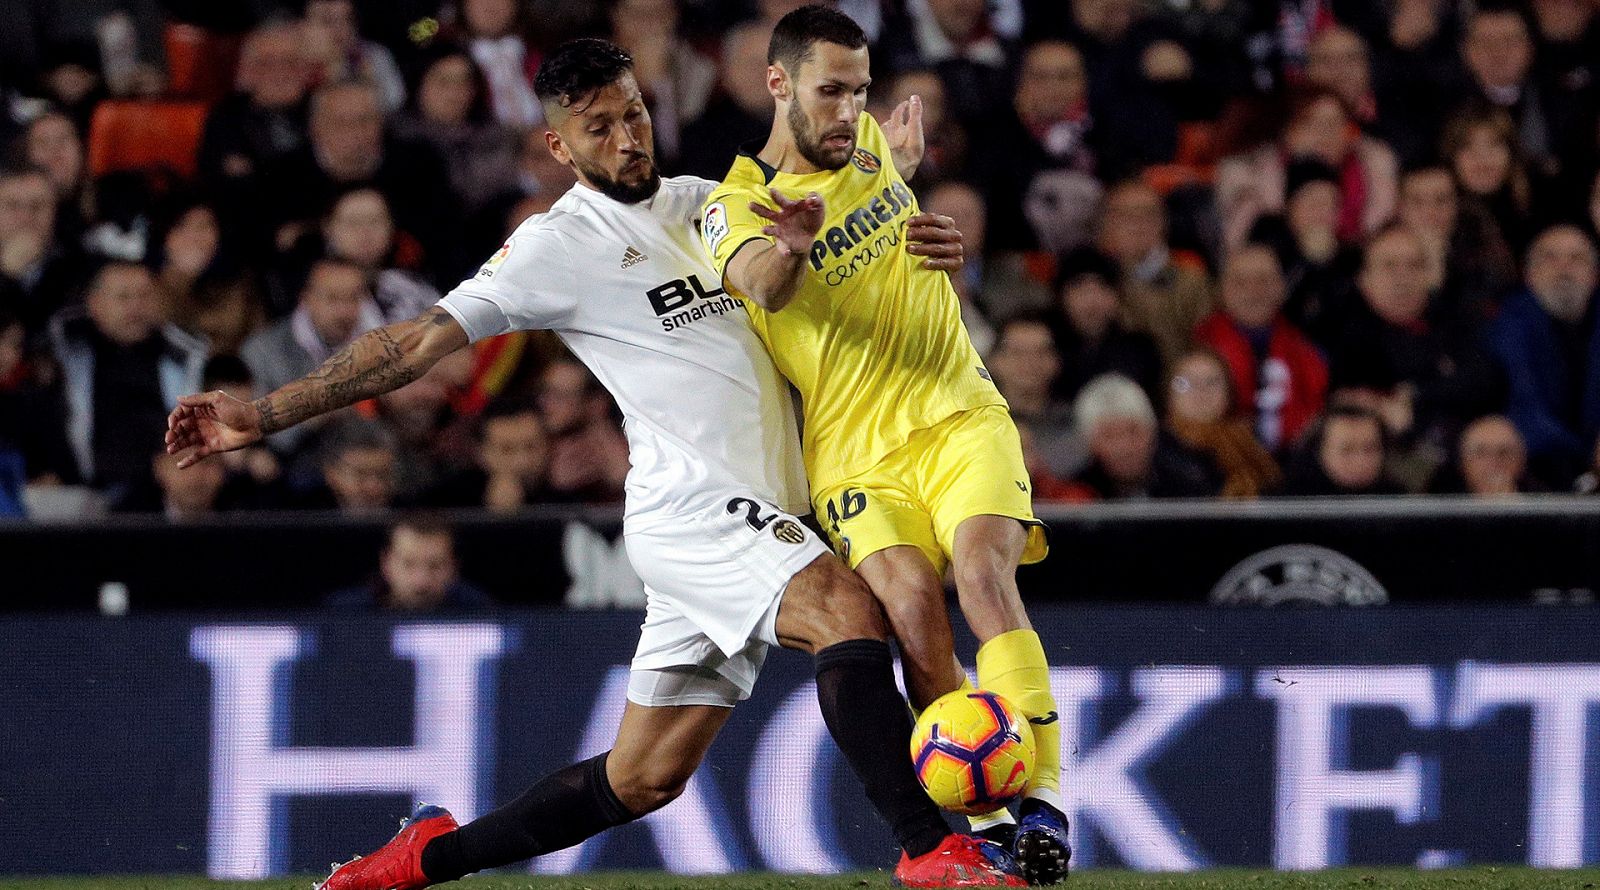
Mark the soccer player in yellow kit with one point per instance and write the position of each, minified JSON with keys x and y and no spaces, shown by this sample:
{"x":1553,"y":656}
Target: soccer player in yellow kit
{"x":915,"y":464}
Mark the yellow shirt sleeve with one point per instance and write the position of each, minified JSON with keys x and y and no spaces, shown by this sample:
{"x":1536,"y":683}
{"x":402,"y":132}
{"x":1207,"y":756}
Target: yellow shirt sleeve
{"x":726,"y":221}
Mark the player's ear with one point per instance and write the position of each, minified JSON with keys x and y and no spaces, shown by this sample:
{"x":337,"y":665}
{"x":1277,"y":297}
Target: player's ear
{"x":778,"y":83}
{"x":558,"y":148}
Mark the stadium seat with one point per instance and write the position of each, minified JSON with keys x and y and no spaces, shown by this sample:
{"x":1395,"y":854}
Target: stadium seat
{"x":200,"y":64}
{"x":146,"y":135}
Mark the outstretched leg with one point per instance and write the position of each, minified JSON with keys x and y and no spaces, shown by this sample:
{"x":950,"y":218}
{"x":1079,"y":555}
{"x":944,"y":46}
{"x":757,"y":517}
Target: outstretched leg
{"x":827,"y":610}
{"x":656,"y":751}
{"x":1011,"y":661}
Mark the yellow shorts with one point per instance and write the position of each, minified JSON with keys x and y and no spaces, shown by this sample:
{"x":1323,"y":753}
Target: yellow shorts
{"x":969,"y":464}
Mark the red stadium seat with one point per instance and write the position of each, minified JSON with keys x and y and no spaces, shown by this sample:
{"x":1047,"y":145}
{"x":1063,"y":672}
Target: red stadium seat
{"x":200,"y":64}
{"x":146,"y":135}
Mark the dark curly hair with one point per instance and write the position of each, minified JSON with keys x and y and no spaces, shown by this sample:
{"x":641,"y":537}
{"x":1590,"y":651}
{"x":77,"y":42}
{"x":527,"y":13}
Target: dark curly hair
{"x":578,"y":69}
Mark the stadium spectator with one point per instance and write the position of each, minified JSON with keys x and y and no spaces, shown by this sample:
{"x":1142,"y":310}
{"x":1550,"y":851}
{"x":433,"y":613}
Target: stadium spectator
{"x":741,"y":110}
{"x":1470,"y":265}
{"x":186,"y":245}
{"x":358,"y":461}
{"x":1201,"y":415}
{"x":1547,"y":342}
{"x":264,"y":119}
{"x":493,"y":34}
{"x":420,"y":416}
{"x":1279,"y":377}
{"x":449,"y":110}
{"x":1047,"y":126}
{"x":1142,"y":78}
{"x":1129,"y":458}
{"x":1317,"y":267}
{"x":254,"y":474}
{"x":226,"y":309}
{"x":335,"y":307}
{"x":1025,"y":364}
{"x":359,"y":228}
{"x":187,"y":495}
{"x":1497,"y":52}
{"x":37,"y":269}
{"x":1337,"y":61}
{"x":334,"y":41}
{"x":676,"y":80}
{"x":348,"y":149}
{"x":1480,"y":147}
{"x":1491,"y":461}
{"x":1343,"y":455}
{"x":1428,"y":378}
{"x":1317,"y":127}
{"x":417,"y":573}
{"x":1161,"y":296}
{"x":53,"y":144}
{"x":956,"y":38}
{"x":513,"y":460}
{"x":122,"y":369}
{"x":947,"y":144}
{"x":1090,"y":337}
{"x":588,"y":454}
{"x":994,"y":286}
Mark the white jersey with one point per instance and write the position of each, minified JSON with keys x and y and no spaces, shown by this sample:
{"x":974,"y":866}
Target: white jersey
{"x":630,"y":291}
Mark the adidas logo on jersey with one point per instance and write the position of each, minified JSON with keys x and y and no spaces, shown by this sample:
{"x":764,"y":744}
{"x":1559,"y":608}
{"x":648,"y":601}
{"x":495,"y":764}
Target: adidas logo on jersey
{"x":632,"y":257}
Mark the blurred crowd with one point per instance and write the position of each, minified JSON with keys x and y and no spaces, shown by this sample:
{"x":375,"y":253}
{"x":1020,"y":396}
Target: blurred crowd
{"x":1228,"y":248}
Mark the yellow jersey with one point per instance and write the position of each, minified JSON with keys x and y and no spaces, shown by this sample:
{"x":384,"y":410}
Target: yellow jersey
{"x":873,"y":342}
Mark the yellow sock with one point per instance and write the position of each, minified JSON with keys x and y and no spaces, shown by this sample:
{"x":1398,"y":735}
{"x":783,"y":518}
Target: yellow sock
{"x":1013,"y":665}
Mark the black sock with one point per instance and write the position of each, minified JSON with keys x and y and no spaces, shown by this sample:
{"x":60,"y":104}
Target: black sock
{"x":566,"y":807}
{"x":872,"y":726}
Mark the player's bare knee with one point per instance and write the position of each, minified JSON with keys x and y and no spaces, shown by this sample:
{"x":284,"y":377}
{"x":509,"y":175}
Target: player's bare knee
{"x":980,"y":582}
{"x":649,"y":787}
{"x":844,"y":609}
{"x":915,"y":607}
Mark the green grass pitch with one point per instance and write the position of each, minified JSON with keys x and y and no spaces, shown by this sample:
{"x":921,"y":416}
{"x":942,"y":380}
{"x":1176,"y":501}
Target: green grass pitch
{"x":1341,"y":879}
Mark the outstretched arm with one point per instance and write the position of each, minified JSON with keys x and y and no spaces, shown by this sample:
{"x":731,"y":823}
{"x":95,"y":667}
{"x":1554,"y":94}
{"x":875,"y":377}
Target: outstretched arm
{"x":770,"y":273}
{"x":377,"y":362}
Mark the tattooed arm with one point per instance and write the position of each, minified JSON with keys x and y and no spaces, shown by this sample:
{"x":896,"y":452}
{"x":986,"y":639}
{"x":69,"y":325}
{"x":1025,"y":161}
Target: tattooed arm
{"x":377,"y":362}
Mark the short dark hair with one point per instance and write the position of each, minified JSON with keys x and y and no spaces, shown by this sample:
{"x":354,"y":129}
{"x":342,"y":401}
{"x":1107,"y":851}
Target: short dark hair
{"x":224,"y":369}
{"x":356,"y":434}
{"x":427,"y":525}
{"x":500,"y":409}
{"x":577,"y":70}
{"x":796,"y":32}
{"x":1037,"y":317}
{"x":1086,"y":262}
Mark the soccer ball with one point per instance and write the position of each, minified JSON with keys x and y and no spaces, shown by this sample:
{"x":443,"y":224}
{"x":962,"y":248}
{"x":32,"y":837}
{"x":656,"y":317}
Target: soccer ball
{"x":973,"y":751}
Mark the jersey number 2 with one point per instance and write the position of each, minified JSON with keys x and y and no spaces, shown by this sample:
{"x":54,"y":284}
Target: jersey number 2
{"x":752,"y":514}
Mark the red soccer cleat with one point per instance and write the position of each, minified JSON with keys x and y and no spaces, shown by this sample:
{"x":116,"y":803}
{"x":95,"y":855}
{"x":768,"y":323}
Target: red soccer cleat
{"x":396,"y":865}
{"x":959,"y":861}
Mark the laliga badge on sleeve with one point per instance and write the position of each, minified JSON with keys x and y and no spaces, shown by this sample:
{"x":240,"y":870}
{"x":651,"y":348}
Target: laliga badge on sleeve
{"x":714,"y":225}
{"x":487,"y":270}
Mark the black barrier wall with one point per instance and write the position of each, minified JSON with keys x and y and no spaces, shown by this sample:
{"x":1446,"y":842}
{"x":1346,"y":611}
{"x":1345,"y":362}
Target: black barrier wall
{"x":1354,"y":551}
{"x":1193,"y":737}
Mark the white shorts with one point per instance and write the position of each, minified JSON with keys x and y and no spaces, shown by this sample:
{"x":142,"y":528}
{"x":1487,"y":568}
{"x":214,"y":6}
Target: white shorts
{"x":713,"y":581}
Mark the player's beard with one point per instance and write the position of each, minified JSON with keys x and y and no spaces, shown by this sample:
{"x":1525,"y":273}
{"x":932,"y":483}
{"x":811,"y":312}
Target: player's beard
{"x":810,"y":146}
{"x":616,"y":189}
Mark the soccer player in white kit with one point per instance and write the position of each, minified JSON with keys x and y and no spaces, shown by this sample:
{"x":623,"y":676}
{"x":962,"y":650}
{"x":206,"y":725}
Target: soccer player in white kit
{"x":713,"y":495}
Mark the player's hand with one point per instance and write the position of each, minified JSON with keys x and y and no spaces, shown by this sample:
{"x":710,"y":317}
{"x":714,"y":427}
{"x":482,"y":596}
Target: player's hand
{"x":937,"y":238}
{"x":210,"y":423}
{"x":903,"y":132}
{"x":794,"y":223}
